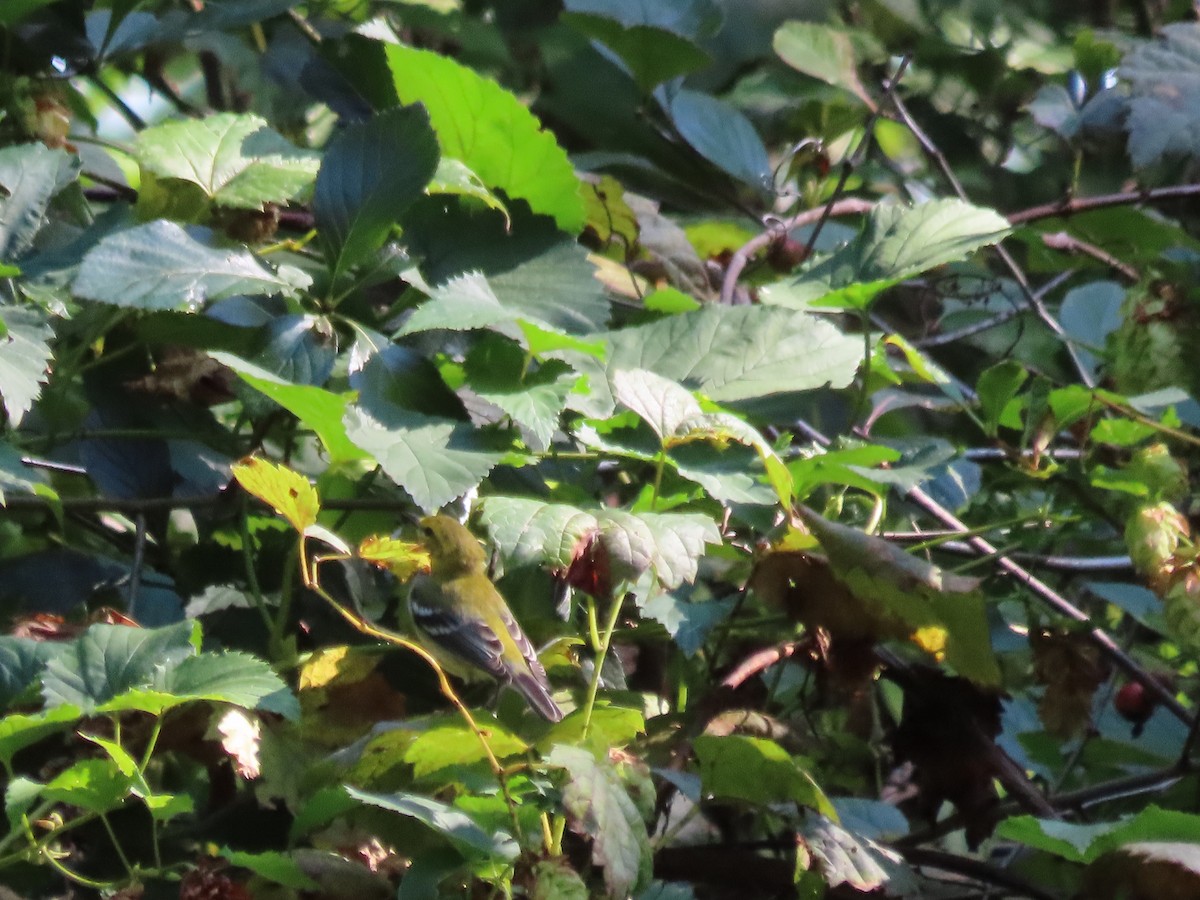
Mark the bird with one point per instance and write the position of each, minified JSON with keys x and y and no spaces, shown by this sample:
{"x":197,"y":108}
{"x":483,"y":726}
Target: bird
{"x":464,"y":621}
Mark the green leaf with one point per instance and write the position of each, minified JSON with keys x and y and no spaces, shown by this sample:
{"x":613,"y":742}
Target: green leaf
{"x":491,"y":131}
{"x":1086,"y":843}
{"x":107,"y":660}
{"x":436,"y":460}
{"x":24,"y":359}
{"x":230,"y":677}
{"x":92,"y":784}
{"x":21,"y":663}
{"x":598,"y":807}
{"x":722,"y":135}
{"x":558,"y":288}
{"x":729,"y":353}
{"x":498,"y":371}
{"x":453,"y":824}
{"x":453,"y":177}
{"x":554,"y":879}
{"x":161,"y":266}
{"x":321,"y":410}
{"x":530,"y":532}
{"x":453,"y":744}
{"x":237,"y":160}
{"x":688,"y":623}
{"x":756,"y":770}
{"x":30,"y":175}
{"x":20,"y":731}
{"x":371,"y":173}
{"x":653,"y":55}
{"x":822,"y":52}
{"x":996,"y":387}
{"x":898,"y":242}
{"x":277,"y":867}
{"x":899,"y":586}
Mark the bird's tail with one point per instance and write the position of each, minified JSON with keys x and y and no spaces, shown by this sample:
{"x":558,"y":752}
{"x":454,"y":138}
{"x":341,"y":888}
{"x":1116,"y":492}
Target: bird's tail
{"x":535,"y":691}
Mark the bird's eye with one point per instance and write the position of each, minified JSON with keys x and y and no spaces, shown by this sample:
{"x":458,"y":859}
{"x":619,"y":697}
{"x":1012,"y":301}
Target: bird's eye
{"x":426,"y":531}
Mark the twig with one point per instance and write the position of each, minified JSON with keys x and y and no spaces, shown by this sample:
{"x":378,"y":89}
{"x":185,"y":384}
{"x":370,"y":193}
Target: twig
{"x":848,"y":206}
{"x":997,"y":320}
{"x":1065,"y":208}
{"x":1068,"y":243}
{"x":1018,"y":275}
{"x":1046,"y":594}
{"x":975,"y":869}
{"x":758,"y":661}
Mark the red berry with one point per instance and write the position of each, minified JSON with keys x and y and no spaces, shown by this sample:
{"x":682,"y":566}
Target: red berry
{"x":1134,"y":703}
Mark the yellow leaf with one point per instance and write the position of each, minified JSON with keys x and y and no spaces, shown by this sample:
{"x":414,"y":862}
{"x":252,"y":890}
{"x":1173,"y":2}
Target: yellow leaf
{"x":401,"y":558}
{"x":287,"y":492}
{"x":331,"y":664}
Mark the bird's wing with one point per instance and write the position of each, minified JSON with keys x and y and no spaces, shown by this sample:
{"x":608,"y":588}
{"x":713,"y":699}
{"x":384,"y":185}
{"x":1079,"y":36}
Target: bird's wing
{"x":471,"y":640}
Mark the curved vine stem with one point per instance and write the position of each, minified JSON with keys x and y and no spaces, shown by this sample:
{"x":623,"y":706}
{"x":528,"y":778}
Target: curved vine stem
{"x":312,"y":582}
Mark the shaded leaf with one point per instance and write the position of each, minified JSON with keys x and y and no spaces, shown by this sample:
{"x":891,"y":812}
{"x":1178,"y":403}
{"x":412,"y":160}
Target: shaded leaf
{"x":756,"y":770}
{"x":435,"y":460}
{"x":24,"y":359}
{"x":161,"y":266}
{"x":30,"y":174}
{"x":371,"y":172}
{"x":599,"y":808}
{"x":823,"y":52}
{"x":722,"y":135}
{"x":454,"y":824}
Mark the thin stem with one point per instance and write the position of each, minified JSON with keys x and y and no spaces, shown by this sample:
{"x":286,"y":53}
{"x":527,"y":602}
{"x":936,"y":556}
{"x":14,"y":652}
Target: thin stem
{"x":391,"y":637}
{"x":117,"y":845}
{"x":251,"y":575}
{"x":605,"y":641}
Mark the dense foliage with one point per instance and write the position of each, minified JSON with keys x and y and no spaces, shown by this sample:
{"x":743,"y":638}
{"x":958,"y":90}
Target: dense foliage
{"x":818,"y":376}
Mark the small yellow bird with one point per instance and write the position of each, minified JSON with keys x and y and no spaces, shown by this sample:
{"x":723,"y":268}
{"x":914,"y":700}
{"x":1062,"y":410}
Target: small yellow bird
{"x":465,"y":623}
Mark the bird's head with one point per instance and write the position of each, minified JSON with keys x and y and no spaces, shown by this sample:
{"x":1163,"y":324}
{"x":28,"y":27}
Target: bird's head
{"x":452,"y":549}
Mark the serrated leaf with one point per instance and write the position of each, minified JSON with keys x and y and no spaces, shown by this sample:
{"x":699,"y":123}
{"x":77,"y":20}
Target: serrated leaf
{"x":948,"y":611}
{"x":1079,"y":842}
{"x":30,"y":175}
{"x":897,"y":242}
{"x":160,"y":266}
{"x":688,"y":623}
{"x":21,"y":662}
{"x":19,"y":731}
{"x":530,"y":532}
{"x":236,"y":159}
{"x":24,"y":359}
{"x":1164,"y":74}
{"x":435,"y":460}
{"x":287,"y":492}
{"x":599,"y":808}
{"x":229,"y":677}
{"x":454,"y":824}
{"x":92,"y":784}
{"x":729,"y":353}
{"x":499,"y":372}
{"x":822,"y":52}
{"x":462,"y":303}
{"x":372,"y":171}
{"x":107,"y":660}
{"x":757,"y":770}
{"x":844,"y":858}
{"x":491,"y":131}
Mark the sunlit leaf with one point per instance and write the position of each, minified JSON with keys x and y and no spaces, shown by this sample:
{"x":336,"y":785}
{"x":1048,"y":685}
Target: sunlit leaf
{"x":286,"y":491}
